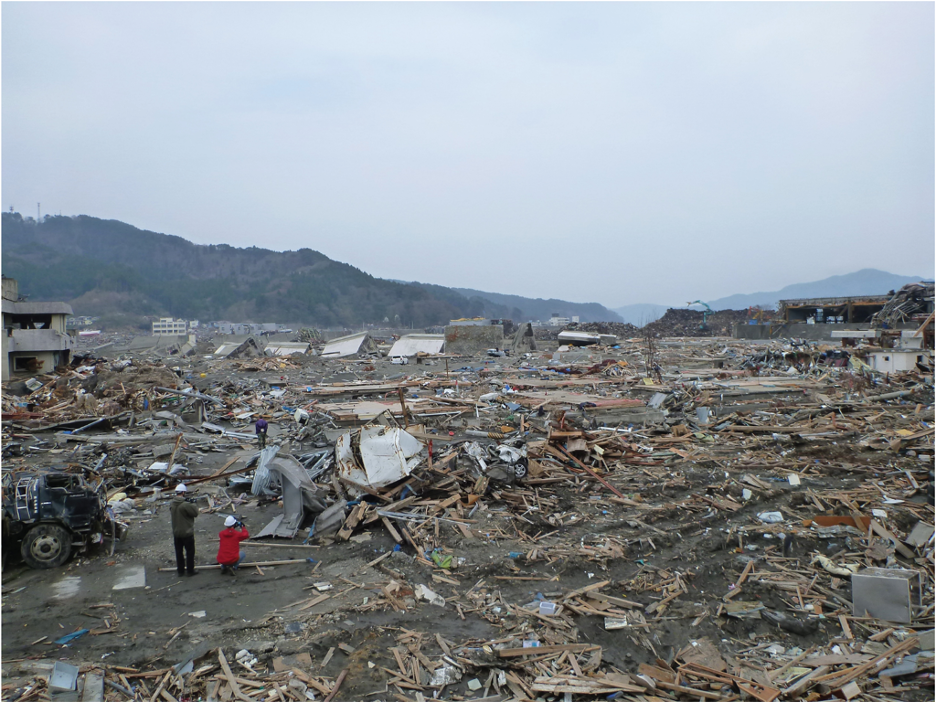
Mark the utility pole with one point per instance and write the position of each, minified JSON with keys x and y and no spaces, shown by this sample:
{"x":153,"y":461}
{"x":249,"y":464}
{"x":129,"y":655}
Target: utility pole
{"x":37,"y":212}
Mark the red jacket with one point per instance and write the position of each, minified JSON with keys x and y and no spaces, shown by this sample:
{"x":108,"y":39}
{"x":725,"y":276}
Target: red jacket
{"x":229,"y":548}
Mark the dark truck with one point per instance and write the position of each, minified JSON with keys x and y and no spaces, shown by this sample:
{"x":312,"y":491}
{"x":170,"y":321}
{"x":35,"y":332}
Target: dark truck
{"x":48,"y":514}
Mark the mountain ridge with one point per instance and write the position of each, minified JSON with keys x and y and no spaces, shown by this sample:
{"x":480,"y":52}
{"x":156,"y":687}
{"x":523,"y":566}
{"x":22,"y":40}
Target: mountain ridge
{"x":110,"y":268}
{"x":867,"y":281}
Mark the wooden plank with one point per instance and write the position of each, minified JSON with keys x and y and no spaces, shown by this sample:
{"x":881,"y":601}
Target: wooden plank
{"x":689,"y":690}
{"x":655,"y":672}
{"x":243,"y":565}
{"x":587,"y":588}
{"x":846,"y":630}
{"x":313,"y":602}
{"x":540,"y":650}
{"x":801,"y":685}
{"x":881,"y":531}
{"x":364,"y":488}
{"x":229,"y":676}
{"x":390,"y":528}
{"x":351,"y":522}
{"x":601,"y":597}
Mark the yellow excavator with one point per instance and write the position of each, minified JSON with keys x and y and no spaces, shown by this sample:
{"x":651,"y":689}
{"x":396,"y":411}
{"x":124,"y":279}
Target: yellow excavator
{"x":705,"y":313}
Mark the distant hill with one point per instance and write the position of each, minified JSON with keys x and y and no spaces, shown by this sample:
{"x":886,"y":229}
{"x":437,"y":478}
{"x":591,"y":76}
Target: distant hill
{"x":640,"y":315}
{"x":864,"y":282}
{"x":539,"y":309}
{"x":111,"y":269}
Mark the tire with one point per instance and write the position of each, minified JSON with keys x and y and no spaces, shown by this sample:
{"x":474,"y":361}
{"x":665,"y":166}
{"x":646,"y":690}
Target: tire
{"x":520,"y":469}
{"x":46,"y":546}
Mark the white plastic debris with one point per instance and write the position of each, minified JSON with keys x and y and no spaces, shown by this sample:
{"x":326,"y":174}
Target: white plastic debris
{"x":547,"y":609}
{"x":424,"y":593}
{"x":770,"y":517}
{"x":845,"y":569}
{"x":446,"y":675}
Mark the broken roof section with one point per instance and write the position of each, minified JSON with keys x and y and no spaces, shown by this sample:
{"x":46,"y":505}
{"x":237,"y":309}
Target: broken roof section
{"x":161,"y":345}
{"x":360,"y":343}
{"x":414,"y":344}
{"x":286,"y":348}
{"x":245,"y":349}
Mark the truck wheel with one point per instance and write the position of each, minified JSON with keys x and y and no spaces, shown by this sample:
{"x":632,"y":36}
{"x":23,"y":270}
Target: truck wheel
{"x":46,"y":546}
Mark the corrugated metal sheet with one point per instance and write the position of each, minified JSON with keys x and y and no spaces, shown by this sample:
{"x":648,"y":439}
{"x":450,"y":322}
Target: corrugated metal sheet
{"x":413,"y":344}
{"x":261,"y":480}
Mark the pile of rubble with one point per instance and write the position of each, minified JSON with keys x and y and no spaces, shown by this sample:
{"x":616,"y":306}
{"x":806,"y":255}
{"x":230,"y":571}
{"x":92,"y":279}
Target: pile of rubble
{"x":692,"y":323}
{"x":671,"y":518}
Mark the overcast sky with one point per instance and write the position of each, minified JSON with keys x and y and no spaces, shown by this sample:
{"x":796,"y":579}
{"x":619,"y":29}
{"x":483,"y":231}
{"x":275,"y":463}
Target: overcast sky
{"x":609,"y":152}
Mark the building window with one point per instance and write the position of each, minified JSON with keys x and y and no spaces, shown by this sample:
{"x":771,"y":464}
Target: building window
{"x":26,"y":363}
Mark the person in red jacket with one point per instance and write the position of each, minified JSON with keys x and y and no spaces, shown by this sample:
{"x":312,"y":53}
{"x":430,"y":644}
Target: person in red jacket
{"x":229,"y":553}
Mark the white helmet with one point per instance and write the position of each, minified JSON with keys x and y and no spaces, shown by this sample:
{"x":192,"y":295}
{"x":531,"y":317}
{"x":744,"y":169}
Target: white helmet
{"x":181,"y":488}
{"x":230,"y":521}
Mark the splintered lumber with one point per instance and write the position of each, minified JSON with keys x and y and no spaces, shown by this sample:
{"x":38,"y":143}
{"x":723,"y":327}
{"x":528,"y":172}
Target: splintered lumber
{"x":592,"y":473}
{"x":351,"y":522}
{"x":229,"y":676}
{"x":885,"y":534}
{"x":801,"y":685}
{"x":764,"y":430}
{"x":620,"y":602}
{"x":540,"y":650}
{"x":588,"y":588}
{"x":341,"y":677}
{"x":583,"y":685}
{"x":689,"y":691}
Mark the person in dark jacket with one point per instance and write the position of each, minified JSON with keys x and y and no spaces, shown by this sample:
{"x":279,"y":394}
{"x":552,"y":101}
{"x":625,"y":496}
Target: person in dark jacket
{"x":261,"y":429}
{"x":183,"y":530}
{"x":229,"y":553}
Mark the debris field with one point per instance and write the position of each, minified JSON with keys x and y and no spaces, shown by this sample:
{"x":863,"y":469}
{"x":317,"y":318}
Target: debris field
{"x":665,"y":519}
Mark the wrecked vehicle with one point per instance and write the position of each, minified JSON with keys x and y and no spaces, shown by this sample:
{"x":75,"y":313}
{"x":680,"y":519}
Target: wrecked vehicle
{"x":502,"y":463}
{"x":47,"y":515}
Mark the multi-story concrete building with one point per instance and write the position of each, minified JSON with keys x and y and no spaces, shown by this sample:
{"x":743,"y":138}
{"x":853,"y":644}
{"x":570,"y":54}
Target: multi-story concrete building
{"x":167,"y":326}
{"x":34,"y":336}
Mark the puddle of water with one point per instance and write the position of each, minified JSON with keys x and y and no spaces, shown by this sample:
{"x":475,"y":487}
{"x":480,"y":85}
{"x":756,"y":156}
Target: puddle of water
{"x":66,"y":587}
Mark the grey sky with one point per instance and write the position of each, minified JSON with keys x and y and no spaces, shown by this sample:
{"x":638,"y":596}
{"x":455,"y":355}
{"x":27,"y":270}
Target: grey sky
{"x":609,"y":152}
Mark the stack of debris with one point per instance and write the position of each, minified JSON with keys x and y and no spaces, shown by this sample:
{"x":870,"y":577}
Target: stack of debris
{"x":692,"y":323}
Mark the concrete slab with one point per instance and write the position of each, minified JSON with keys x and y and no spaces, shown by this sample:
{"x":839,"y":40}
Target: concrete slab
{"x":129,"y":577}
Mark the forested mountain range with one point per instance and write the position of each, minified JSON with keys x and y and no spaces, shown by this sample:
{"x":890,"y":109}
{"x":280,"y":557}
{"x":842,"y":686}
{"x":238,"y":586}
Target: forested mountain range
{"x":112,"y":269}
